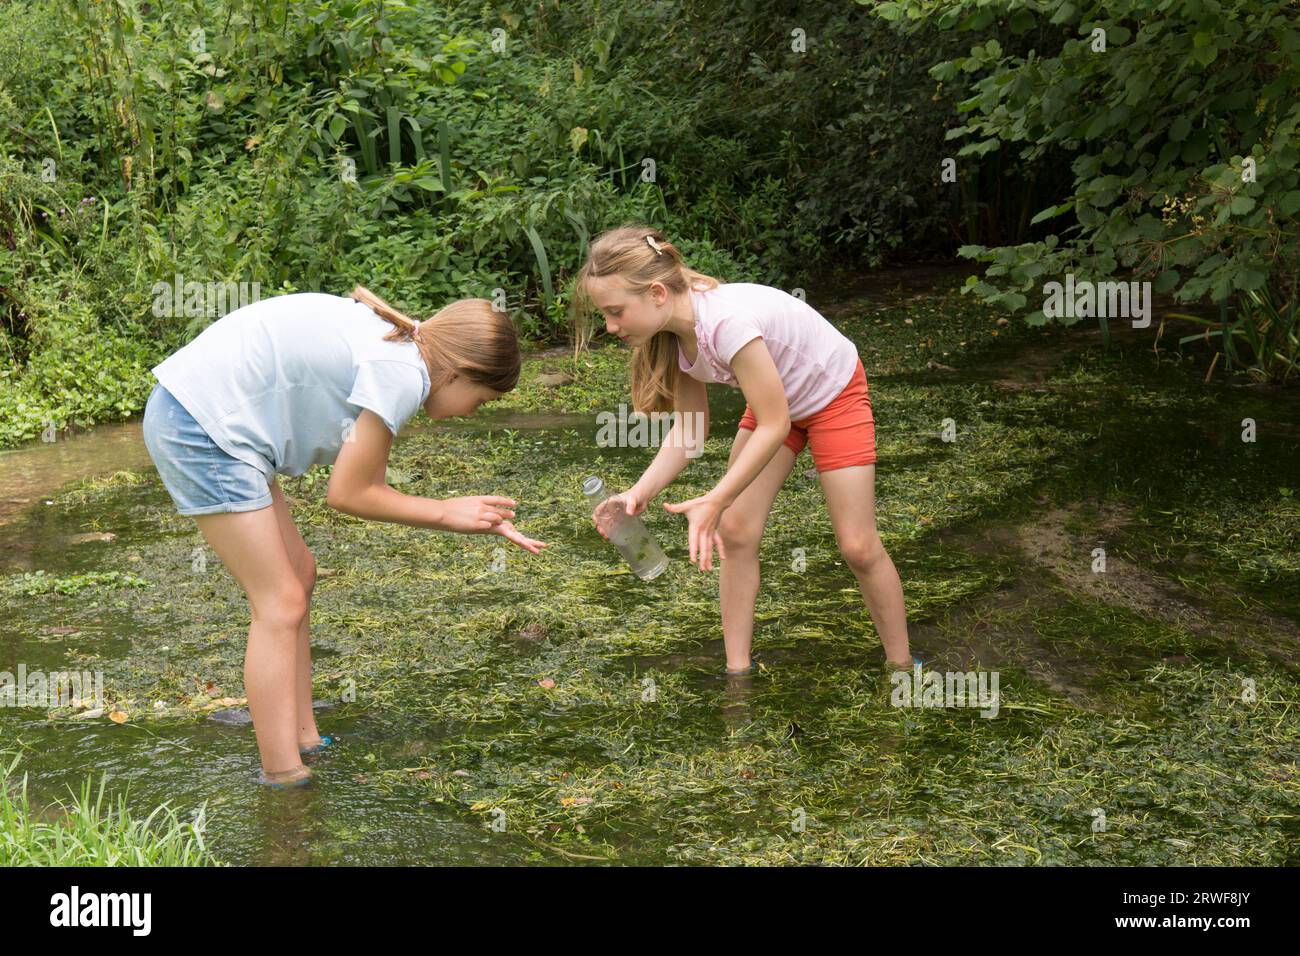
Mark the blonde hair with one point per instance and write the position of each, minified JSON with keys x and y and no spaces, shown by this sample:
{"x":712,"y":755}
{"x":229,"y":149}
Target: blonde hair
{"x":639,"y":255}
{"x":467,"y":337}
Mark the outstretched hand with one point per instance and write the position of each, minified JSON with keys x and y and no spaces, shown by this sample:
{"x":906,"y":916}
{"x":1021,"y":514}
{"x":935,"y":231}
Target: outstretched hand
{"x":483,"y":514}
{"x":703,"y":515}
{"x":507,"y":530}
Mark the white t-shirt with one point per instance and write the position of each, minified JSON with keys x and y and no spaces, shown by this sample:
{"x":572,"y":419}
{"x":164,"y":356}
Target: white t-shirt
{"x":814,"y":359}
{"x":280,"y":382}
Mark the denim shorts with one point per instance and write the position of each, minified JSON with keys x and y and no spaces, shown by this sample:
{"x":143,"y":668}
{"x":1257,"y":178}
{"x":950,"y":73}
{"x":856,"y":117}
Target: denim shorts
{"x":201,"y":478}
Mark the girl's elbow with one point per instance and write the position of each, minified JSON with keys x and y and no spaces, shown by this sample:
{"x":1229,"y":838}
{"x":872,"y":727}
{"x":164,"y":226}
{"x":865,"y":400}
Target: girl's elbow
{"x":339,"y":501}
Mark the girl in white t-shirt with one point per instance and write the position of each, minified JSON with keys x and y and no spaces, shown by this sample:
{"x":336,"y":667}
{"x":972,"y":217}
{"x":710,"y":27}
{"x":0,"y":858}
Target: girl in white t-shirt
{"x":804,"y":384}
{"x":277,"y":386}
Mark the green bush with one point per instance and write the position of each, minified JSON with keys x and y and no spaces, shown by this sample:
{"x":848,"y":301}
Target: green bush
{"x":1164,"y":112}
{"x":437,"y":151}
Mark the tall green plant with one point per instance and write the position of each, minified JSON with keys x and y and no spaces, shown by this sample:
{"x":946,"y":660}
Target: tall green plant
{"x":1270,"y":331}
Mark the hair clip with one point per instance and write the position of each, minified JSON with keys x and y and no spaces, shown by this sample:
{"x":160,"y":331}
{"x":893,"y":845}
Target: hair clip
{"x":653,"y":245}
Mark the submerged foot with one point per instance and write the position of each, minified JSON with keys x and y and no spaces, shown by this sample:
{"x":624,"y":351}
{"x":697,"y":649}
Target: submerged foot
{"x":315,"y":746}
{"x":298,"y":776}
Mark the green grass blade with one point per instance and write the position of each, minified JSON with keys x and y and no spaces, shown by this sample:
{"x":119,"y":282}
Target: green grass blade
{"x":540,"y":251}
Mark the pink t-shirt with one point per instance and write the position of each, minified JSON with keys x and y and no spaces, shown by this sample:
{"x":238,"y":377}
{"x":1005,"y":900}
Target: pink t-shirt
{"x":815,"y":361}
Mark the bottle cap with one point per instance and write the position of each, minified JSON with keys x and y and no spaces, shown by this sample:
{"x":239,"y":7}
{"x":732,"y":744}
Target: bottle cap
{"x":592,"y":485}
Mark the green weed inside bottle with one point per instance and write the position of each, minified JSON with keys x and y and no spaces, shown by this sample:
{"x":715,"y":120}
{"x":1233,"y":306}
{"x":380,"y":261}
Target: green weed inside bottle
{"x":629,"y":534}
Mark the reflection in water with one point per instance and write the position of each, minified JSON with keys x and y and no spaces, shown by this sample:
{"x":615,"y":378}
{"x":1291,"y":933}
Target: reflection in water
{"x":287,"y":823}
{"x":737,"y":713}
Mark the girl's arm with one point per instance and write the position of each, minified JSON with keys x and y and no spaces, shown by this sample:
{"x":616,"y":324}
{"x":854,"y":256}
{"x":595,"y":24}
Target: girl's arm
{"x":679,"y":447}
{"x":357,"y":487}
{"x":761,"y":383}
{"x":690,"y":401}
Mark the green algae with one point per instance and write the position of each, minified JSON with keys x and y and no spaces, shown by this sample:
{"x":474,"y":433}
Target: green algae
{"x":500,"y":707}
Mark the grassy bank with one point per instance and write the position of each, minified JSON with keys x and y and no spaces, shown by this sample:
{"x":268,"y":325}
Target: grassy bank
{"x":91,"y":830}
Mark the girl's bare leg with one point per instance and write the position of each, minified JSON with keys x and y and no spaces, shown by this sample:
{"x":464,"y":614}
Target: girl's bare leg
{"x":304,"y":566}
{"x":251,"y":545}
{"x":851,"y":500}
{"x":741,"y":528}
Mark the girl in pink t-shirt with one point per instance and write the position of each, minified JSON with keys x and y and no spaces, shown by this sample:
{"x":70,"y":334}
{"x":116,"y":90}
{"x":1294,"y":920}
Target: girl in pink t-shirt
{"x":803,"y":383}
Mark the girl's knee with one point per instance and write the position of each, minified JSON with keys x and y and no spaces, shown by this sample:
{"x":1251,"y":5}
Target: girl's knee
{"x":863,"y":553}
{"x":739,"y":533}
{"x":285,"y":607}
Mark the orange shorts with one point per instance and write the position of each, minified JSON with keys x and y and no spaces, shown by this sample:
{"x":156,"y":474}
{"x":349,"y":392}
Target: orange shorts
{"x":841,"y":435}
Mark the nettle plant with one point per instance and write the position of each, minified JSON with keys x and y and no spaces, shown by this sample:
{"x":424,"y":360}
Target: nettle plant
{"x":1182,"y":119}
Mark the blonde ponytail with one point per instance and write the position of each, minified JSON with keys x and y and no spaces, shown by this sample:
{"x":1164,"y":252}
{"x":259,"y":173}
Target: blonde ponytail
{"x":467,"y":337}
{"x":404,"y":327}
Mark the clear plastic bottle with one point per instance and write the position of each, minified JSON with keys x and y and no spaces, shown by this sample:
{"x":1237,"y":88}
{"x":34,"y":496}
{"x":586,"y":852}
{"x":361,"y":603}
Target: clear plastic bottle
{"x":629,"y":534}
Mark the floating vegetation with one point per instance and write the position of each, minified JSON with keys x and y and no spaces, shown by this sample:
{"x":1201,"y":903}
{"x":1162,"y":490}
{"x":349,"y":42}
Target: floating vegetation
{"x":494,"y":706}
{"x":37,"y":583}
